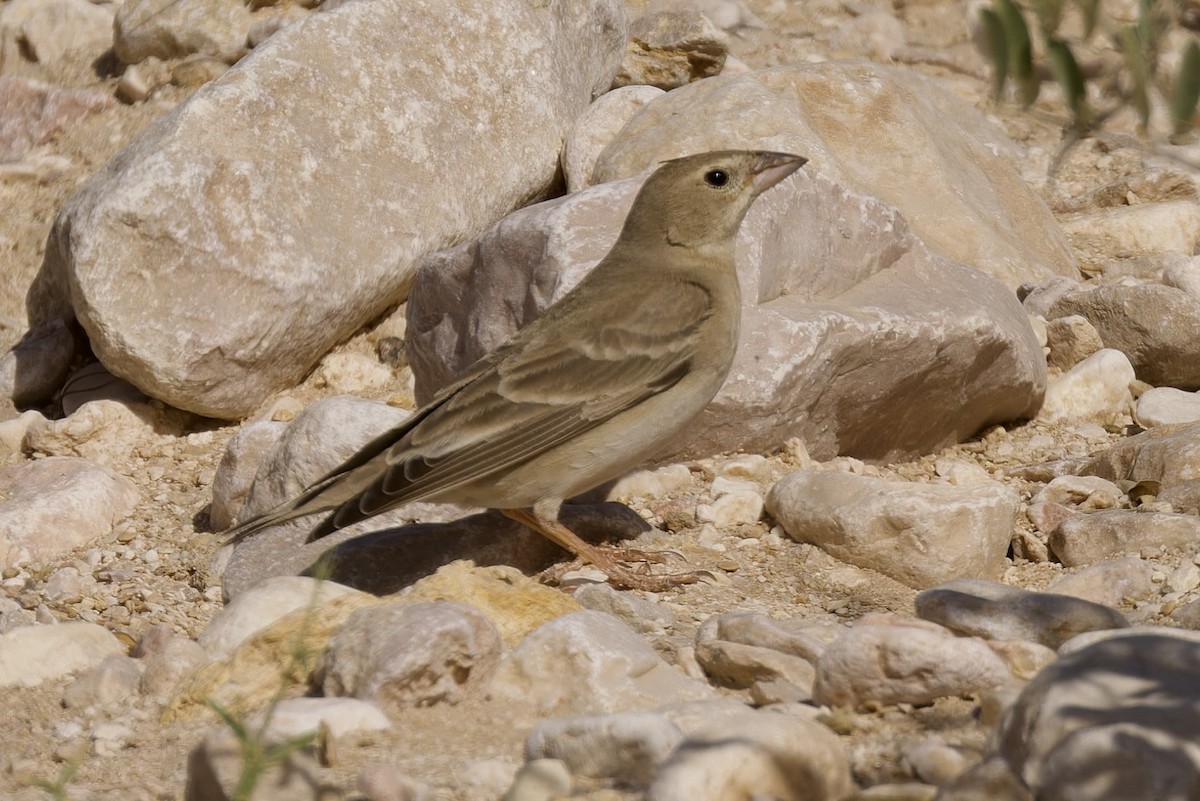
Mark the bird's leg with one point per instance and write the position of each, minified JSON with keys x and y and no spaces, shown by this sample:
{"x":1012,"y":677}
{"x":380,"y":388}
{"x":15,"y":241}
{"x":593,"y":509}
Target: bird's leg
{"x":617,"y":573}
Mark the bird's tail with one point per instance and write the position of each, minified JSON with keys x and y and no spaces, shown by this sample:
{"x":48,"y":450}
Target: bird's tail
{"x":324,"y":496}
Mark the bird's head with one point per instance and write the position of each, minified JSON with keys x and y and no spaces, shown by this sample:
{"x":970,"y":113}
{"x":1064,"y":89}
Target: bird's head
{"x":699,"y":201}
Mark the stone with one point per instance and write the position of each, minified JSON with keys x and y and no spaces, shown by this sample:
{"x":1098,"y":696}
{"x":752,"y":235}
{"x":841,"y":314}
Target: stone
{"x":933,"y":761}
{"x":1166,"y":454}
{"x":1082,"y":493}
{"x":1157,"y":327}
{"x":50,"y":506}
{"x":295,"y":717}
{"x":589,"y":663}
{"x":30,"y":655}
{"x":540,"y":780}
{"x":318,"y":251}
{"x":34,"y":369}
{"x":386,"y":783}
{"x":215,"y":766}
{"x":668,"y":49}
{"x":918,"y":534}
{"x":400,"y":654}
{"x":596,"y":127}
{"x":1184,"y":274}
{"x":163,"y":670}
{"x":640,"y":614}
{"x":1096,"y":388}
{"x":36,"y":112}
{"x":889,"y":660}
{"x":257,"y":609}
{"x":114,"y":680}
{"x":854,"y":120}
{"x":1093,"y":537}
{"x":102,"y":431}
{"x":63,"y":32}
{"x":625,"y":748}
{"x":990,"y":780}
{"x":1126,"y":232}
{"x":1110,"y":583}
{"x":1113,"y":719}
{"x":825,"y":273}
{"x":1166,"y":406}
{"x":756,"y":754}
{"x":244,"y":455}
{"x":742,"y":649}
{"x":994,"y":611}
{"x":1071,"y":339}
{"x":176,"y":28}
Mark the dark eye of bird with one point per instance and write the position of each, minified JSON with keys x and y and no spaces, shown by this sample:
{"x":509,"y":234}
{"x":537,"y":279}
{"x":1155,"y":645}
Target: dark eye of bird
{"x":716,"y":177}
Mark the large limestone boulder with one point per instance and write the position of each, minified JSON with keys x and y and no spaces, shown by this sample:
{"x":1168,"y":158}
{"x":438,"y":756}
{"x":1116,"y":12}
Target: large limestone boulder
{"x":883,"y":132}
{"x":284,"y":205}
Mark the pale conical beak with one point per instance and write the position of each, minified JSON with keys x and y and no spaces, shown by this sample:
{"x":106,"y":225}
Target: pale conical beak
{"x":771,"y":168}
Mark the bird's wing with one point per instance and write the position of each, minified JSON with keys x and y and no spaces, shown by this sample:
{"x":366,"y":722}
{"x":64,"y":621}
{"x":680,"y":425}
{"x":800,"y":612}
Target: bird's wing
{"x":546,"y":387}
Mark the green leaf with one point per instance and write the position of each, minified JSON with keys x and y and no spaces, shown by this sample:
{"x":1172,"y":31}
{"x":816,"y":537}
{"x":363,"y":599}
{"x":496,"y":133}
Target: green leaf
{"x":1186,"y":93}
{"x":1066,"y":71}
{"x":1139,"y":73}
{"x":1091,"y":13}
{"x":997,"y":47}
{"x":1020,"y":50}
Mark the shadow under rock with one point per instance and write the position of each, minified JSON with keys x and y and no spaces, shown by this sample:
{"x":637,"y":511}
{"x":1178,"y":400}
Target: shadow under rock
{"x":390,"y":559}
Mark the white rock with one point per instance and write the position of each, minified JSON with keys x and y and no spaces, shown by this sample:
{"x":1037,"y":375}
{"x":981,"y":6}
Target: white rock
{"x":589,"y":663}
{"x":1081,"y":492}
{"x":741,"y":507}
{"x":400,"y":654}
{"x":1123,"y":232}
{"x":626,"y":748}
{"x":31,"y":655}
{"x":239,"y":464}
{"x":1071,"y":339}
{"x":257,"y":608}
{"x":479,"y":96}
{"x":1095,"y":389}
{"x":115,"y":679}
{"x":1109,"y":583}
{"x":293,"y":717}
{"x":353,"y":374}
{"x":889,"y":660}
{"x":919,"y":534}
{"x":756,"y":754}
{"x":597,"y":126}
{"x":53,"y":505}
{"x":103,"y":431}
{"x":540,"y":780}
{"x":1167,"y":405}
{"x":62,"y":32}
{"x":1096,"y":536}
{"x":658,"y":483}
{"x":1184,"y":578}
{"x":1185,"y":275}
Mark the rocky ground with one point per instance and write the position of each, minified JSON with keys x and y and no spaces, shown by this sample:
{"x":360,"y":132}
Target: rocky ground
{"x":911,"y":716}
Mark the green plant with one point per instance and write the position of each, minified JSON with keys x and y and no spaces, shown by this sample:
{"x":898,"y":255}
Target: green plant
{"x":1136,"y":78}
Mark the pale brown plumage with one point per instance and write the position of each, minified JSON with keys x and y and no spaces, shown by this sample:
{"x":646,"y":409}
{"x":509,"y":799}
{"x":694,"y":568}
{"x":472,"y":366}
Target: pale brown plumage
{"x":592,"y":388}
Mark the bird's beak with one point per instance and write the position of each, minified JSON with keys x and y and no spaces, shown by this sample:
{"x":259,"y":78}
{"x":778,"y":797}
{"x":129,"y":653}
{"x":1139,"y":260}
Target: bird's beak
{"x":771,"y":168}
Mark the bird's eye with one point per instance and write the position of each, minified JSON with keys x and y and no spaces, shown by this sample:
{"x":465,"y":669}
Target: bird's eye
{"x":716,"y":177}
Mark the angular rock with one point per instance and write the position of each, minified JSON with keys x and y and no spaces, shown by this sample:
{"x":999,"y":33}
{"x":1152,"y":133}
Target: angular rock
{"x":1112,"y":720}
{"x":113,"y":680}
{"x":59,"y":31}
{"x":1185,"y":275}
{"x":1071,"y":339}
{"x":1081,"y":492}
{"x":999,"y":612}
{"x":30,"y":655}
{"x":918,"y":534}
{"x":215,"y":766}
{"x":479,"y":98}
{"x":50,"y":506}
{"x":244,"y":455}
{"x":1093,"y":537}
{"x":294,"y":717}
{"x":163,"y":670}
{"x":668,"y":49}
{"x":1157,"y":327}
{"x":1109,"y":583}
{"x":1096,"y":388}
{"x":1127,"y":232}
{"x":887,"y":660}
{"x":847,"y":319}
{"x":640,"y":614}
{"x":1167,"y":454}
{"x":169,"y":29}
{"x":756,"y":754}
{"x":589,"y":663}
{"x":400,"y":654}
{"x":857,"y":121}
{"x":102,"y":431}
{"x":741,"y":649}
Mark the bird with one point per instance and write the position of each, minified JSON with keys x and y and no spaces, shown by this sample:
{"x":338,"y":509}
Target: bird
{"x":589,"y":390}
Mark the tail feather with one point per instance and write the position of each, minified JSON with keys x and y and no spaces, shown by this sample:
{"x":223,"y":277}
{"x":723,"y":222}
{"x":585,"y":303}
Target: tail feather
{"x":324,"y":496}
